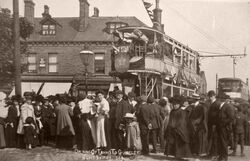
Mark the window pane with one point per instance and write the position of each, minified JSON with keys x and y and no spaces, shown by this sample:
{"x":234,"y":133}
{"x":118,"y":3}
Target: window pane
{"x":192,"y":62}
{"x":31,"y":67}
{"x":99,"y":56}
{"x":99,"y":63}
{"x":52,"y":68}
{"x":45,"y":27}
{"x":52,"y":58}
{"x":32,"y":59}
{"x":52,"y":27}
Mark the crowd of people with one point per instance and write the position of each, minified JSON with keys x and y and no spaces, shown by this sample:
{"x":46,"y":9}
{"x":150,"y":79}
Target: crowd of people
{"x":184,"y":127}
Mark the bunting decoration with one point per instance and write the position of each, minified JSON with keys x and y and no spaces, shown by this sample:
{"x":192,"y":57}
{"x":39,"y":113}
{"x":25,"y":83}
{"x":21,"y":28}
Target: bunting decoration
{"x":147,"y":6}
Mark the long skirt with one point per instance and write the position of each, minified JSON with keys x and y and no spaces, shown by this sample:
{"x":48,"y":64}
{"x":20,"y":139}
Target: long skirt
{"x":11,"y":136}
{"x":247,"y":134}
{"x":92,"y":125}
{"x":2,"y":137}
{"x":86,"y":139}
{"x":100,"y":132}
{"x":177,"y":147}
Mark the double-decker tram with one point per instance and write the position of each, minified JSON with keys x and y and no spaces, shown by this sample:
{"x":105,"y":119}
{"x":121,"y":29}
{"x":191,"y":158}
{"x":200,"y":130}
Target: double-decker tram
{"x":233,"y":87}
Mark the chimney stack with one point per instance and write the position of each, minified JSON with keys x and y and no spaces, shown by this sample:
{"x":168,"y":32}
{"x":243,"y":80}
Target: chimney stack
{"x":46,"y":11}
{"x":29,"y":10}
{"x":157,"y":16}
{"x":84,"y":15}
{"x":96,"y":12}
{"x":247,"y":81}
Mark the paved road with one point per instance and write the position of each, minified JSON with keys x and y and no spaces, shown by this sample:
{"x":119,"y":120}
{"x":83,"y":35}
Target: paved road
{"x":52,"y":154}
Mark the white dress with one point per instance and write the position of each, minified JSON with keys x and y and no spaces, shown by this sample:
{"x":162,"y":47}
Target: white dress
{"x":102,"y":111}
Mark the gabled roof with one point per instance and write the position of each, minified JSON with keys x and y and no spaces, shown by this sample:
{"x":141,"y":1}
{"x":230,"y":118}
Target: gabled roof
{"x":95,"y":30}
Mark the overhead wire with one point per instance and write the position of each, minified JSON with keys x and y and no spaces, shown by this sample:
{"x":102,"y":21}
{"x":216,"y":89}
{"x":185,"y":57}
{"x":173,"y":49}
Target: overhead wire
{"x":202,"y":32}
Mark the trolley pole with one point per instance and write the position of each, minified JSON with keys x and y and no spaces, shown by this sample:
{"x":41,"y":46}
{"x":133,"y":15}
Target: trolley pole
{"x":234,"y":63}
{"x":216,"y":83}
{"x":16,"y":32}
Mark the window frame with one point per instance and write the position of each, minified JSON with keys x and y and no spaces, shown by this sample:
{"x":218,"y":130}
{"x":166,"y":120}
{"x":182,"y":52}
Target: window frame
{"x":49,"y":29}
{"x":32,"y":63}
{"x":96,"y":61}
{"x":52,"y":63}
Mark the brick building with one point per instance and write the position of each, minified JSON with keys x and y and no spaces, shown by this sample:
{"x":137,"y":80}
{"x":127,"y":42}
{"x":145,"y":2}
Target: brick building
{"x":53,"y":61}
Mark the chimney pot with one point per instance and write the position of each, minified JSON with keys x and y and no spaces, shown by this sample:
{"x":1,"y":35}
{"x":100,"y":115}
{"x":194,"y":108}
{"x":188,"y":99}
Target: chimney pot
{"x":29,"y":10}
{"x":96,"y":12}
{"x":84,"y":15}
{"x":46,"y":11}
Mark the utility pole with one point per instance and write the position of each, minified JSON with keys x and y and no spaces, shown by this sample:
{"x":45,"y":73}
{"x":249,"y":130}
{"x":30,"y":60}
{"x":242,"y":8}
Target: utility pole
{"x":16,"y":33}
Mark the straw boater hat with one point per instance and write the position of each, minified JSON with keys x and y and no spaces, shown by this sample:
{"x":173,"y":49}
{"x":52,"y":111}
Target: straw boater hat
{"x":196,"y":96}
{"x":129,"y":115}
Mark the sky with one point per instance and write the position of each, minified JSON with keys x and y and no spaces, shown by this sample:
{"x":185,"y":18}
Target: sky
{"x":219,"y":26}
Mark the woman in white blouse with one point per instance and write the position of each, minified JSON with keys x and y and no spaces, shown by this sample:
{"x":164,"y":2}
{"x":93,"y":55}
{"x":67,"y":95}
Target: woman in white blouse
{"x":102,"y":112}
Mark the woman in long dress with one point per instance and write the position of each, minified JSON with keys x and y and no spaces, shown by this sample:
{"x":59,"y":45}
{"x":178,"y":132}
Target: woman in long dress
{"x":102,"y":112}
{"x":11,"y":123}
{"x":27,"y":110}
{"x":177,"y":133}
{"x":3,"y":115}
{"x":64,"y":131}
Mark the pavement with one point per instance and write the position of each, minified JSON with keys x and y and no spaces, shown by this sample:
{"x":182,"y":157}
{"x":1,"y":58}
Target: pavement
{"x":46,"y":153}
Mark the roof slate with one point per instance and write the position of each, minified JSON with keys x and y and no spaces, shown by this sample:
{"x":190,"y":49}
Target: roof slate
{"x":68,"y":31}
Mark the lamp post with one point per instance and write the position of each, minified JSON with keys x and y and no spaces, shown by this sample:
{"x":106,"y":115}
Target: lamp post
{"x":86,"y":57}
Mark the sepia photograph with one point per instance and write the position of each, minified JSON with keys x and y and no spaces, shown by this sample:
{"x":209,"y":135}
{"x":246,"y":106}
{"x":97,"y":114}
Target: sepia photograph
{"x":124,"y":80}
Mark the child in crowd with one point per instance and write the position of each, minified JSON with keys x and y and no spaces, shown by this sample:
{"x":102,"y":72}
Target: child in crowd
{"x":239,"y":126}
{"x":133,"y":133}
{"x":29,"y":132}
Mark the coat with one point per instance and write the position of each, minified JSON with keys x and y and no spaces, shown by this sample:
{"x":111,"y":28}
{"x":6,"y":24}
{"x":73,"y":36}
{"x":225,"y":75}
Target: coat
{"x":26,"y":111}
{"x":11,"y":127}
{"x":64,"y":123}
{"x":144,"y":116}
{"x":226,"y":115}
{"x":155,"y":116}
{"x":177,"y":134}
{"x":198,"y":120}
{"x":122,"y":108}
{"x":213,"y":113}
{"x":240,"y":123}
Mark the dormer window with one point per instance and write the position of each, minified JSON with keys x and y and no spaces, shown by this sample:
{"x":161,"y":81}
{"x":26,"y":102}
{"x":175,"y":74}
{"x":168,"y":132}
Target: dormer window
{"x":49,"y":29}
{"x":112,"y":26}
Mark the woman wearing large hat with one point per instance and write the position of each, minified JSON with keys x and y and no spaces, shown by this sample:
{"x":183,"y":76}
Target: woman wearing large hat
{"x":177,"y":133}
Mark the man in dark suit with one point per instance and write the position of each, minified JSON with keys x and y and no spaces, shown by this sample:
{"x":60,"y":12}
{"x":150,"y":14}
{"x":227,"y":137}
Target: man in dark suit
{"x":213,"y":112}
{"x":225,"y":119}
{"x":144,"y":115}
{"x":156,"y":121}
{"x":122,"y":108}
{"x":198,"y":120}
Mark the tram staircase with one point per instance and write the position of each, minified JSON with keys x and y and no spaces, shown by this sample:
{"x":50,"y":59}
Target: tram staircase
{"x":147,"y":85}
